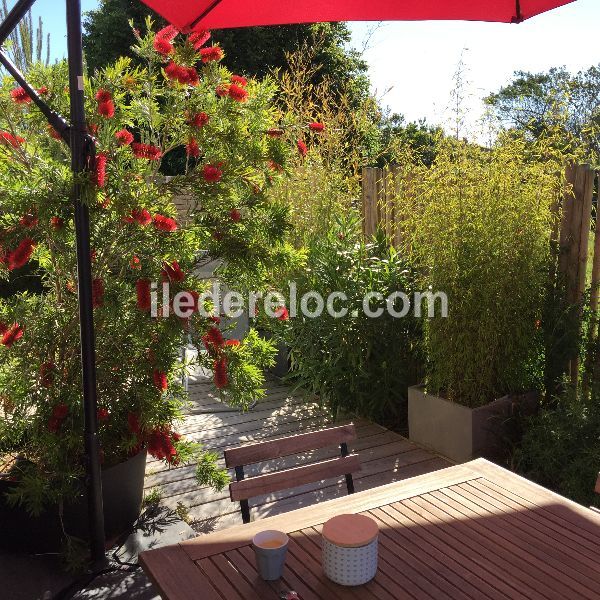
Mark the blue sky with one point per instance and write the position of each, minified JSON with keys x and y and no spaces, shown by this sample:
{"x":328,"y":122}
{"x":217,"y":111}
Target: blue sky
{"x":412,"y":64}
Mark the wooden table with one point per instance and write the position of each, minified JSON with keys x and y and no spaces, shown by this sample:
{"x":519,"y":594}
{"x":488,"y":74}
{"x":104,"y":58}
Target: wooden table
{"x":470,"y":531}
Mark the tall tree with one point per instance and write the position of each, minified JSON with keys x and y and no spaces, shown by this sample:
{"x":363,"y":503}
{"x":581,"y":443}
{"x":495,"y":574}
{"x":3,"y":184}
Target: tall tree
{"x":26,"y":43}
{"x":536,"y":101}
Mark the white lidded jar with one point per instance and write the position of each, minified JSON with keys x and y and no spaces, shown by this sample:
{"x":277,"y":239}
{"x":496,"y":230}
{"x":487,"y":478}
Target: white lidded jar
{"x":350,"y":549}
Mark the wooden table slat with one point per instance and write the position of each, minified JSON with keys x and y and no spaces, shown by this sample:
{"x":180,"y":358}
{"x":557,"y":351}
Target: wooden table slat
{"x":175,"y":576}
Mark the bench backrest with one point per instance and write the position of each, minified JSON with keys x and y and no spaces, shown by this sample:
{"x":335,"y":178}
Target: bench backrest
{"x":244,"y":488}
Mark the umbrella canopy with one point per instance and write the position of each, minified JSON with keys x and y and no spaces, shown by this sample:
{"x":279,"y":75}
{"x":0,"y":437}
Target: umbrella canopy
{"x":216,"y":14}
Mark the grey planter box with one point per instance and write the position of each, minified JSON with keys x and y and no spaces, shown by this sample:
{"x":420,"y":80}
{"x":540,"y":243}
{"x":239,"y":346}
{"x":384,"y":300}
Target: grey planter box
{"x":461,"y":433}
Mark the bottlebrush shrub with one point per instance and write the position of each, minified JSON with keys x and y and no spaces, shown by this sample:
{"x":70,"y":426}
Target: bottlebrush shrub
{"x":138,"y":116}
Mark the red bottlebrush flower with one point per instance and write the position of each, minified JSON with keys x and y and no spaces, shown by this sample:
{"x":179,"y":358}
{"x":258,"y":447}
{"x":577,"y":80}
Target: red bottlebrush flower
{"x":214,"y":319}
{"x":235,"y":215}
{"x":106,"y":109}
{"x":242,"y":81}
{"x":163,"y":223}
{"x":220,"y":372}
{"x":135,"y":262}
{"x":103,"y":414}
{"x":141,"y":216}
{"x":275,"y":133}
{"x":57,"y":223}
{"x":301,"y":148}
{"x":43,"y":90}
{"x":212,"y":53}
{"x":222,"y":90}
{"x":198,"y":120}
{"x":144,"y":300}
{"x":60,"y":411}
{"x":147,"y":151}
{"x":160,"y":445}
{"x":99,"y":173}
{"x":133,"y":423}
{"x":213,"y":338}
{"x":199,"y":38}
{"x":105,"y":202}
{"x":97,"y":293}
{"x":190,"y":77}
{"x":3,"y":328}
{"x":232,"y":343}
{"x":212,"y":173}
{"x":217,"y":235}
{"x":30,"y":220}
{"x":124,"y":137}
{"x":47,"y":371}
{"x":8,"y":139}
{"x":192,"y":149}
{"x":162,"y":45}
{"x":282,"y":313}
{"x":14,"y":333}
{"x":93,"y":255}
{"x":53,"y":425}
{"x":168,"y":33}
{"x":103,"y":95}
{"x":318,"y":127}
{"x":20,"y":255}
{"x":93,"y":128}
{"x":239,"y":94}
{"x":173,"y":272}
{"x":160,"y":380}
{"x":174,"y":71}
{"x":20,"y":96}
{"x":53,"y":133}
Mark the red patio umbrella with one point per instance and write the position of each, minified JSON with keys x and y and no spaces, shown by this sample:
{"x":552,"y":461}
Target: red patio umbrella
{"x":216,"y":14}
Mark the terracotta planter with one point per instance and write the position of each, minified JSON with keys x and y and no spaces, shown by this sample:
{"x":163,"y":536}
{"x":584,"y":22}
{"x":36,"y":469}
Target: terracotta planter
{"x":122,"y":491}
{"x":461,"y":433}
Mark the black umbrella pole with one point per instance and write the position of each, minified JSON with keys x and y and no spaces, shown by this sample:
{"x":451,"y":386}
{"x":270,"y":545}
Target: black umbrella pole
{"x":81,"y":152}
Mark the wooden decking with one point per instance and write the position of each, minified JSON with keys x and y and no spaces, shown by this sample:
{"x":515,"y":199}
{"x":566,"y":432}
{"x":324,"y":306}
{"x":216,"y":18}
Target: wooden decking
{"x":385,"y":456}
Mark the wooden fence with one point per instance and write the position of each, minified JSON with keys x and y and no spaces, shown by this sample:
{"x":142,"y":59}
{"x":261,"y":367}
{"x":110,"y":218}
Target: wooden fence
{"x":574,"y":222}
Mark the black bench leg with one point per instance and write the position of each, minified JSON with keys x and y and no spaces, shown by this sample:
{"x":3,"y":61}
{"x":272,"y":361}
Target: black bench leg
{"x":349,"y":480}
{"x":239,"y":475}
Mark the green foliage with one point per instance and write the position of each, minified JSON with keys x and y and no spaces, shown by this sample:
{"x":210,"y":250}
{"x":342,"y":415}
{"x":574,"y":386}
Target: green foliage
{"x":232,"y":219}
{"x":478,"y":222}
{"x":561,"y":447}
{"x":152,"y":497}
{"x":355,"y":363}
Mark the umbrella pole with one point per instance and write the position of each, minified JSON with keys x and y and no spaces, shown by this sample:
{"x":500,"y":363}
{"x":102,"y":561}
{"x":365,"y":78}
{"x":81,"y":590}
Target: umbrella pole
{"x":82,"y":154}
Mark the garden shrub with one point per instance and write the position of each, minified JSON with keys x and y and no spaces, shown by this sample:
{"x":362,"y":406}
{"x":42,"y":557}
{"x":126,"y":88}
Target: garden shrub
{"x":560,"y":448}
{"x":354,"y":364}
{"x":478,"y":222}
{"x":181,"y":98}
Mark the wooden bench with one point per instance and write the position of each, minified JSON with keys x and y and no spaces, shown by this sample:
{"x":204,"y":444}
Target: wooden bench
{"x":243,"y":489}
